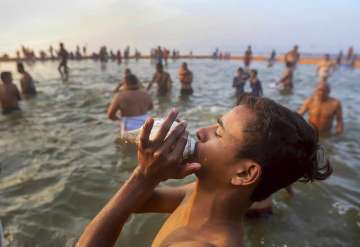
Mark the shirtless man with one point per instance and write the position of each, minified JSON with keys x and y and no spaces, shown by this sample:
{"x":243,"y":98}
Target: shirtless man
{"x":63,"y":68}
{"x":239,"y":81}
{"x":9,"y":94}
{"x":26,"y":81}
{"x":186,"y":78}
{"x":322,"y":109}
{"x":325,"y":69}
{"x":163,"y":80}
{"x":272,"y":59}
{"x":132,"y":103}
{"x":287,"y":77}
{"x":237,"y":162}
{"x":293,"y":57}
{"x":255,"y":84}
{"x":248,"y":57}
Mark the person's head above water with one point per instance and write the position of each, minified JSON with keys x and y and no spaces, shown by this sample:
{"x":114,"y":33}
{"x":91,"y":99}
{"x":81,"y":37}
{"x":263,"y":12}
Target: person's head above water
{"x":296,"y":47}
{"x":20,"y":67}
{"x":6,"y":77}
{"x":159,"y":67}
{"x":253,"y":73}
{"x":131,"y":82}
{"x":322,"y":90}
{"x":258,"y":148}
{"x":61,"y":45}
{"x":127,"y":72}
{"x":184,"y":66}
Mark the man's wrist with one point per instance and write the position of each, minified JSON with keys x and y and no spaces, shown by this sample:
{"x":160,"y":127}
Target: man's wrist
{"x":140,"y":175}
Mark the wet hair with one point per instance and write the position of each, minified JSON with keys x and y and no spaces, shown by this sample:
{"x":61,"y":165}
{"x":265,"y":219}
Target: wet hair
{"x":5,"y":75}
{"x":240,"y":70}
{"x":127,"y":71}
{"x":131,"y":80}
{"x":283,"y":144}
{"x":254,"y":71}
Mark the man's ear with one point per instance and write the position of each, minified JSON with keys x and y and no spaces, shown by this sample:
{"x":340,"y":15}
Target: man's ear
{"x":246,"y":173}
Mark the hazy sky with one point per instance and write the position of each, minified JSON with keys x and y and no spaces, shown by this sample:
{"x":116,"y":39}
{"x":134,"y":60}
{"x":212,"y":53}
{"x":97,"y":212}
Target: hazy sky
{"x":200,"y":25}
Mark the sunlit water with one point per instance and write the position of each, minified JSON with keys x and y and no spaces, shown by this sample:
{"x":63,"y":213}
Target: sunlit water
{"x":60,"y":160}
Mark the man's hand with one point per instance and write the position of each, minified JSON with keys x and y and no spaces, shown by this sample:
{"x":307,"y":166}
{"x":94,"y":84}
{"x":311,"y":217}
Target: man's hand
{"x":161,"y":159}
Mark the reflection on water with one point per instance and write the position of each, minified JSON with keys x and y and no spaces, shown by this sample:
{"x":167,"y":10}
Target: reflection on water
{"x":61,"y":160}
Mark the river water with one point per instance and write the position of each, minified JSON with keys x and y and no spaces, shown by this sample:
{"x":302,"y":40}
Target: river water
{"x":61,"y":159}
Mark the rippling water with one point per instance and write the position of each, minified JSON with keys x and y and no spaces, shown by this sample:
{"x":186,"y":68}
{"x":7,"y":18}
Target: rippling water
{"x":60,"y":159}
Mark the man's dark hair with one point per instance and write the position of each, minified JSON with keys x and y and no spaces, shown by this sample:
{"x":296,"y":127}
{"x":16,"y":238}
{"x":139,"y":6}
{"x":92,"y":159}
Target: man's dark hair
{"x":131,"y":80}
{"x":254,"y":71}
{"x":240,"y":70}
{"x":283,"y":144}
{"x":159,"y":66}
{"x":4,"y":75}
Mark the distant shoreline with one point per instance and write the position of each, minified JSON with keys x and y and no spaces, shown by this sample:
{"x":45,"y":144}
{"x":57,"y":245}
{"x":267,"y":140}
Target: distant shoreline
{"x":280,"y":59}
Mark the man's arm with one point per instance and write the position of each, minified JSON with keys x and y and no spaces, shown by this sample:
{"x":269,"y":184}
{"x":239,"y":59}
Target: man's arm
{"x":151,"y":82}
{"x":304,"y":108}
{"x":113,"y":108}
{"x":339,"y":119}
{"x":158,"y":161}
{"x":17,"y":93}
{"x":166,"y":199}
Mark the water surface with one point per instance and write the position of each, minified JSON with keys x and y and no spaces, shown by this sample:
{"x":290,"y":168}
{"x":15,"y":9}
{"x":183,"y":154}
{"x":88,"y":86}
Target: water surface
{"x":61,"y":161}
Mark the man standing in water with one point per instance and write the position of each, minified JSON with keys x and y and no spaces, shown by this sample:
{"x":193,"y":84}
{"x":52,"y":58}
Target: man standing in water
{"x":322,"y":110}
{"x":272,"y":59}
{"x":163,"y":80}
{"x":293,"y":57}
{"x":287,"y":78}
{"x":239,"y":81}
{"x":325,"y":68}
{"x":26,"y":81}
{"x":133,"y":103}
{"x":122,"y":82}
{"x":248,"y":57}
{"x":255,"y":84}
{"x":186,"y":78}
{"x":63,"y":68}
{"x":9,"y":94}
{"x":254,"y":150}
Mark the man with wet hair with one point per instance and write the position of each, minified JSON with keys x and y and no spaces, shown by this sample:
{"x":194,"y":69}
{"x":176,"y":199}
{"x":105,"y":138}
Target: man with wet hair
{"x":26,"y":81}
{"x":251,"y":152}
{"x":9,"y":94}
{"x":186,"y":78}
{"x":323,"y":109}
{"x":163,"y":80}
{"x":130,"y":105}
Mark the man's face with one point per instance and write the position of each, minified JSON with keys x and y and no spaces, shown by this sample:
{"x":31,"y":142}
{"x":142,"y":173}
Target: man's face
{"x":219,"y":144}
{"x":322,"y":92}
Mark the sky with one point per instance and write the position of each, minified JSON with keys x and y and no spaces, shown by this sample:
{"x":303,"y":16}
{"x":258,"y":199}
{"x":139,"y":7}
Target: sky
{"x":317,"y":26}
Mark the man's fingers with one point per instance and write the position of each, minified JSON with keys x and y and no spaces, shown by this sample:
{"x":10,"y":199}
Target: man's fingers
{"x":164,"y":129}
{"x":189,"y":168}
{"x":179,"y":147}
{"x":145,"y":133}
{"x":172,"y":138}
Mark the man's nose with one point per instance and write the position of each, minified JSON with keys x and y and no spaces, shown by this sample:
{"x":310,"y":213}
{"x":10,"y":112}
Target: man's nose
{"x":201,"y":135}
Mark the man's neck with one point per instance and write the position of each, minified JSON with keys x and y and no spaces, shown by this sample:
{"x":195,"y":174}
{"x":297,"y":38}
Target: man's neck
{"x":217,"y":207}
